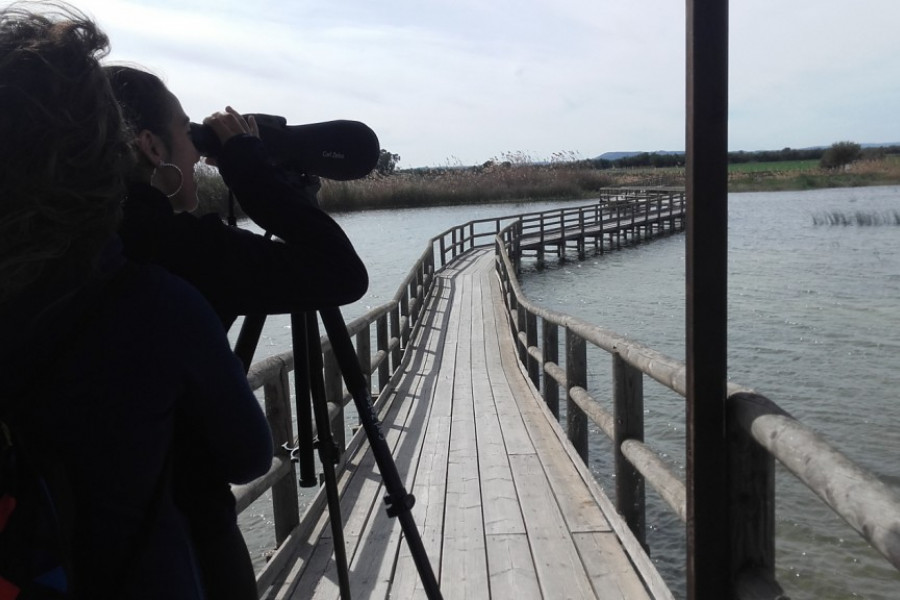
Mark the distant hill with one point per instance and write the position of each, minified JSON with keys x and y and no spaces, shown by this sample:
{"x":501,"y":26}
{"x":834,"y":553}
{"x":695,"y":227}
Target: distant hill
{"x":618,"y":155}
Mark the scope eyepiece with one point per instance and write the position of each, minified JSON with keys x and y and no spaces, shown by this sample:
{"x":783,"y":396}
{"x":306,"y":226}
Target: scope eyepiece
{"x":205,"y":140}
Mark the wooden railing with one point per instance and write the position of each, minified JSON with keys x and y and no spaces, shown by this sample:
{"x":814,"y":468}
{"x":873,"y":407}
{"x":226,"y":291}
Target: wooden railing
{"x":758,"y":432}
{"x":618,"y":216}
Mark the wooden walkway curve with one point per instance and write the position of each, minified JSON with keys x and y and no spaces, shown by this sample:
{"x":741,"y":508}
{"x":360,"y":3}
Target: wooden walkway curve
{"x":504,"y":506}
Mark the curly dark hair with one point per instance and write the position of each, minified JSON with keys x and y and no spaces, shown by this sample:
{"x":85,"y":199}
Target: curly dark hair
{"x":63,"y":151}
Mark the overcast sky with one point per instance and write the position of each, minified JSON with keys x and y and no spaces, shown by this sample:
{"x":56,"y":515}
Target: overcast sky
{"x":459,"y":82}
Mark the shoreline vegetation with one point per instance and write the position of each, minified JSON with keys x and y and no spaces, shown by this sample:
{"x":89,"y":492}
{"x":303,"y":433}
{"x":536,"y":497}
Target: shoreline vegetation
{"x":516,"y":182}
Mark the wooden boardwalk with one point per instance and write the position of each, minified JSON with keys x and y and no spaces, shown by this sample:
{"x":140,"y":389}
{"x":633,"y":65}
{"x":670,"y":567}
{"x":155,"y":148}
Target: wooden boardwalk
{"x":613,"y":225}
{"x":504,"y":506}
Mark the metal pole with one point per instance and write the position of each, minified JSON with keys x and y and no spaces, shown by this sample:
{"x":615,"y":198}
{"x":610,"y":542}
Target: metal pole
{"x":706,"y":270}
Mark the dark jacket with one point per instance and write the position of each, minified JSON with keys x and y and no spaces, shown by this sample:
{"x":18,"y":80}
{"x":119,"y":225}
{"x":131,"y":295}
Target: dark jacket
{"x":103,"y":380}
{"x":240,"y":272}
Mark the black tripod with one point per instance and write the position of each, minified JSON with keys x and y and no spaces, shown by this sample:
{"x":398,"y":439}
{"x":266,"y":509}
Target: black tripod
{"x":308,"y":376}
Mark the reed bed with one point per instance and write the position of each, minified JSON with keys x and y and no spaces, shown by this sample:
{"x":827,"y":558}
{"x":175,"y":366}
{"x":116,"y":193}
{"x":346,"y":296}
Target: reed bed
{"x":459,"y":186}
{"x":857,"y":218}
{"x":511,"y":181}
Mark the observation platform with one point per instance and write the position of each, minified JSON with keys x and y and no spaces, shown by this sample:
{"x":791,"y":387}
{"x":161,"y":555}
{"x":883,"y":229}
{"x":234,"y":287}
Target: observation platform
{"x":504,"y":505}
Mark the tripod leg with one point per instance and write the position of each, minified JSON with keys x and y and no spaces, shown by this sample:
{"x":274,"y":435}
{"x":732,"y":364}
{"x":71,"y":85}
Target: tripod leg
{"x":248,"y":338}
{"x":327,"y":451}
{"x":398,"y":500}
{"x":302,"y":386}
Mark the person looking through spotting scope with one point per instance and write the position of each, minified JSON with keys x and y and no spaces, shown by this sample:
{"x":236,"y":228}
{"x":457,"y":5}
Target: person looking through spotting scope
{"x":238,"y":271}
{"x":313,"y":266}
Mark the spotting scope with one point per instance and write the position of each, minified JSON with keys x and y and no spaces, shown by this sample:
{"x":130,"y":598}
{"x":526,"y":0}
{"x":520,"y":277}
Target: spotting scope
{"x":340,"y":150}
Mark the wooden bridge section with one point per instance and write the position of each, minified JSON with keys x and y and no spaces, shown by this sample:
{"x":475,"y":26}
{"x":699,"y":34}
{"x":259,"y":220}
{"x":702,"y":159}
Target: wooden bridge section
{"x":618,"y":219}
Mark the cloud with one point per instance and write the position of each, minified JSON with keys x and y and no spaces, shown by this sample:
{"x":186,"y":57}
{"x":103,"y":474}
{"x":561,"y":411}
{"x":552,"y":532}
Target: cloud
{"x":469,"y":80}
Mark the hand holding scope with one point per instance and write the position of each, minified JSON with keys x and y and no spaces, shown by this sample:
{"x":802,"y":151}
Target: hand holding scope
{"x":339,"y":150}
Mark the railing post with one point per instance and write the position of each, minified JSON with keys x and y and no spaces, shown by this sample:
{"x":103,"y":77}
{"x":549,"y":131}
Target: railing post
{"x":540,"y":248}
{"x":658,"y":219}
{"x":561,"y":245}
{"x":397,"y":350}
{"x":576,"y":376}
{"x":521,"y":327}
{"x":334,"y":392}
{"x":516,"y":248}
{"x":618,"y":225}
{"x":550,"y":353}
{"x":628,"y":401}
{"x":381,"y":343}
{"x":420,"y":279}
{"x":531,"y":335}
{"x":580,"y":241}
{"x":404,"y":312}
{"x":414,"y":294}
{"x":751,"y":501}
{"x":429,"y":269}
{"x":512,"y":303}
{"x":285,"y":505}
{"x":364,"y":355}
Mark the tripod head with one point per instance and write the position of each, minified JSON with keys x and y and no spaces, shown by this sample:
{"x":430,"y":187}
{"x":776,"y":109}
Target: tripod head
{"x":339,"y":150}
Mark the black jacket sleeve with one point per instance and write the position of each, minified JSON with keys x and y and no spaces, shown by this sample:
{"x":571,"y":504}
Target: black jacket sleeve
{"x":241,"y":272}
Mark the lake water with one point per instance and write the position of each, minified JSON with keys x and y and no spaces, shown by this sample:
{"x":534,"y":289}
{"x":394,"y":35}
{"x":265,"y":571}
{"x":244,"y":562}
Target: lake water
{"x":813,"y":325}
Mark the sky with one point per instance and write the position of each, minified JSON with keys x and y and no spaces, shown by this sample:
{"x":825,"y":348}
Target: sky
{"x":461,"y":82}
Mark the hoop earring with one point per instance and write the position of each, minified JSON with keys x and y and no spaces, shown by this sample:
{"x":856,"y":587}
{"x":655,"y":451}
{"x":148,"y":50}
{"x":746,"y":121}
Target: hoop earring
{"x":163,"y":164}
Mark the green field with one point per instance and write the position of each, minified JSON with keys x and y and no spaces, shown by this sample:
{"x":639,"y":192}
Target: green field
{"x":784,"y":165}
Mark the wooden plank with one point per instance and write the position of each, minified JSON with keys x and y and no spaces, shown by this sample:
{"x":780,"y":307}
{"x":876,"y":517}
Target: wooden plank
{"x":428,"y":512}
{"x":313,"y":556}
{"x":576,"y":502}
{"x":464,"y":569}
{"x":512,"y":573}
{"x":373,"y":568}
{"x":362,"y":499}
{"x":611,"y":573}
{"x":654,"y":582}
{"x":515,"y":436}
{"x":431,"y":476}
{"x":558,"y":565}
{"x":502,"y":514}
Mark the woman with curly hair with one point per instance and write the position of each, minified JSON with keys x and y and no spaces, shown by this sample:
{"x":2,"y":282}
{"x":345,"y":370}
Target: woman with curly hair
{"x":101,"y":362}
